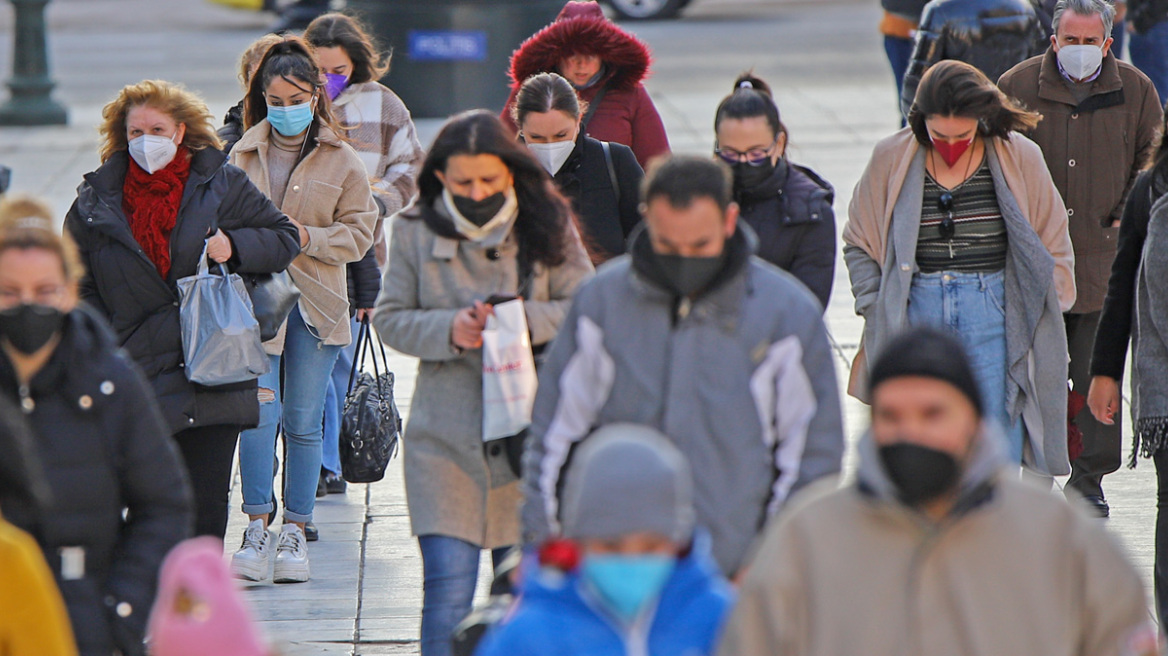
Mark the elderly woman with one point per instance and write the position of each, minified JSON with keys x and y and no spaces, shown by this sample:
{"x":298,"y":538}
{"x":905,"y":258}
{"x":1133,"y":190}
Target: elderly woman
{"x":120,"y":500}
{"x":488,"y":222}
{"x":956,"y":223}
{"x":607,"y":65}
{"x":163,"y":197}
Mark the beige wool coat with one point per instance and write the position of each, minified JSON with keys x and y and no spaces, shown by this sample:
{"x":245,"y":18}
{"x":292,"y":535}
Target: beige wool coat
{"x":456,"y":486}
{"x":329,"y":194}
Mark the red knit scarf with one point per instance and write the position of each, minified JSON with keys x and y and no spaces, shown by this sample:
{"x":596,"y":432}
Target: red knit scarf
{"x":151,"y":204}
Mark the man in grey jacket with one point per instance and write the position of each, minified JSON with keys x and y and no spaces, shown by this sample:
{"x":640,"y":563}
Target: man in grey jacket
{"x":693,"y":335}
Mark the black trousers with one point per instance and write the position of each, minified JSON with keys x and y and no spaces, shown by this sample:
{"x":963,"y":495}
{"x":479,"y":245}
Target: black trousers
{"x":1102,"y":444}
{"x":208,"y":452}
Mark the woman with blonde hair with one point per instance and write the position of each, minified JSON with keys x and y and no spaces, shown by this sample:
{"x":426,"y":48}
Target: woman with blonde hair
{"x":119,"y":496}
{"x":249,"y":61}
{"x":163,"y":198}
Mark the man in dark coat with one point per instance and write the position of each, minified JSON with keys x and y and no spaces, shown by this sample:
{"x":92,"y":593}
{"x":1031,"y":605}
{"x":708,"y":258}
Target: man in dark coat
{"x":1087,"y":97}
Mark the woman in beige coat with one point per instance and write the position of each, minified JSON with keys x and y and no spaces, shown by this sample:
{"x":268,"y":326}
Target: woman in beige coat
{"x":291,"y":151}
{"x":956,"y":223}
{"x":487,"y":222}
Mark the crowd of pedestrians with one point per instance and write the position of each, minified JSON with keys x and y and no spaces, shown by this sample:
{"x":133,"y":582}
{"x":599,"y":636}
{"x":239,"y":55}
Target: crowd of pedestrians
{"x":674,"y":487}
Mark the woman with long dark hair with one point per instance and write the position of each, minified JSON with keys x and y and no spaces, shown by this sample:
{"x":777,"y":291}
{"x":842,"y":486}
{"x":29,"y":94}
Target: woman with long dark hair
{"x":788,"y":206}
{"x":602,"y":179}
{"x":1140,"y":243}
{"x":293,"y":152}
{"x":488,"y":222}
{"x":957,"y":223}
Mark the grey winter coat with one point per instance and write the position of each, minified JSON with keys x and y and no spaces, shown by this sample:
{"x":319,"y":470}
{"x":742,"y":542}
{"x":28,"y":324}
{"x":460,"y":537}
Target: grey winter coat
{"x":1036,"y":340}
{"x":741,"y":378}
{"x":454,"y":486}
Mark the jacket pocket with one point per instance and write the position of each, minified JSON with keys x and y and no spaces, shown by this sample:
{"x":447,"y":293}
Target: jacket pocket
{"x":319,"y":204}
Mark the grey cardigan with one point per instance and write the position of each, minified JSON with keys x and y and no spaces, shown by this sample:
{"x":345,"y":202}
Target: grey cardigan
{"x":455,"y":487}
{"x":1036,"y":340}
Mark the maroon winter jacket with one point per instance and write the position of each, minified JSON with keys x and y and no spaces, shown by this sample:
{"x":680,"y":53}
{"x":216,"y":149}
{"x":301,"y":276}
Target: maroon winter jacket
{"x":626,"y":115}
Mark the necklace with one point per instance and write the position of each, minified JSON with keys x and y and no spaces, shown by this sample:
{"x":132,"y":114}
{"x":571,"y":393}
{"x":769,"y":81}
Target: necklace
{"x":945,"y":201}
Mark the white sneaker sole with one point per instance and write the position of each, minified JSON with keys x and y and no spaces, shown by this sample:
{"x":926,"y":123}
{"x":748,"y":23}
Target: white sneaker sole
{"x":249,"y":570}
{"x":290,"y":572}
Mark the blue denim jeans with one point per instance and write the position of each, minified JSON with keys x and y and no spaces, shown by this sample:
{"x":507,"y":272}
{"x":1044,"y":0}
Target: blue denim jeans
{"x":1149,"y":53}
{"x":450,"y":571}
{"x":334,"y":403}
{"x":899,"y":52}
{"x":307,"y":365}
{"x":972,"y":305}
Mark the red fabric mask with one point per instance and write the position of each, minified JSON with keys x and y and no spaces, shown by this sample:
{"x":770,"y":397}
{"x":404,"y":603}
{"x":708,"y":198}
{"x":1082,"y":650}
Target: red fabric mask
{"x":951,"y":152}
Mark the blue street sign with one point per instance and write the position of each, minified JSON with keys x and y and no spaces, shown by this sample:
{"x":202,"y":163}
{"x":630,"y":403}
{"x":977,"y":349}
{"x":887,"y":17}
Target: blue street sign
{"x":448,"y":46}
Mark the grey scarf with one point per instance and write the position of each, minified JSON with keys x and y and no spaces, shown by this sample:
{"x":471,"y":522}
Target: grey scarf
{"x":1150,"y":340}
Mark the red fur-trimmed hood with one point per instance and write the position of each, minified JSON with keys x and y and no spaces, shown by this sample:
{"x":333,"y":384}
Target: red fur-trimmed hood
{"x":581,"y":28}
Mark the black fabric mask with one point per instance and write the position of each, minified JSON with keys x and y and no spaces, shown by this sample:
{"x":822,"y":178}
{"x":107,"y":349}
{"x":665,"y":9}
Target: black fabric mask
{"x":29,"y":327}
{"x":690,"y":275}
{"x":749,"y":177}
{"x":919,"y":473}
{"x":479,"y":212}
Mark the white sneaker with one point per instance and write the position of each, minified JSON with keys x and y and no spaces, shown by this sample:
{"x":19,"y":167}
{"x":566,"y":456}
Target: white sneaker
{"x":291,"y":556}
{"x":251,"y":561}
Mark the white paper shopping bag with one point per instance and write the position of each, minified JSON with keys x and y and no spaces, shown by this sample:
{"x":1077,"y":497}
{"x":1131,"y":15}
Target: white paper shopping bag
{"x":509,"y":379}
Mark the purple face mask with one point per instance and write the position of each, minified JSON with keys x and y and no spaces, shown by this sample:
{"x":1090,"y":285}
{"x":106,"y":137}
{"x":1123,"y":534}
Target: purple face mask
{"x":334,"y":84}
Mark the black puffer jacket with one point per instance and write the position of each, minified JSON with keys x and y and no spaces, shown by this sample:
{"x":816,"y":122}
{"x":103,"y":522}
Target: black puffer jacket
{"x":607,"y":217}
{"x":123,"y":284}
{"x":232,"y":129}
{"x":991,"y":35}
{"x":364,"y":278}
{"x":104,"y":449}
{"x":793,"y":217}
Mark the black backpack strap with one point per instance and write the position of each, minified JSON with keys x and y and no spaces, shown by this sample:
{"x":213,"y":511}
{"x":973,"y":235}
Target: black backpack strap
{"x":611,"y":171}
{"x":593,"y":105}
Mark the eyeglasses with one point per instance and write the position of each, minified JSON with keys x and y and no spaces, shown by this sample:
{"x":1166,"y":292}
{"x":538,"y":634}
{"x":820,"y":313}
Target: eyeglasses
{"x":753,"y":157}
{"x":948,"y":227}
{"x":10,"y":298}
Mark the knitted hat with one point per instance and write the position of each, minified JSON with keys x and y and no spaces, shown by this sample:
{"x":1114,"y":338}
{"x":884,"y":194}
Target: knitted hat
{"x":199,"y":611}
{"x":628,"y":479}
{"x":928,"y":353}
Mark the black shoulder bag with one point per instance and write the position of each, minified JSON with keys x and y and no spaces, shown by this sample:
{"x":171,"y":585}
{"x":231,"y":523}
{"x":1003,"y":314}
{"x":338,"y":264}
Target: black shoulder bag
{"x":370,"y":422}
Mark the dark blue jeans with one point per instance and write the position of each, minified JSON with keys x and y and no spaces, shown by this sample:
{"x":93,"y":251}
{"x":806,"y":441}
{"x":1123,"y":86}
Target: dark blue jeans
{"x":450,"y":571}
{"x":899,"y":53}
{"x":1149,"y":53}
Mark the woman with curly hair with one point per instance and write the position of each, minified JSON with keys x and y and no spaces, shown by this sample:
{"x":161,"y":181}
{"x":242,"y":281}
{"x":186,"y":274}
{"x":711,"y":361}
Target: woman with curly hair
{"x":163,"y":198}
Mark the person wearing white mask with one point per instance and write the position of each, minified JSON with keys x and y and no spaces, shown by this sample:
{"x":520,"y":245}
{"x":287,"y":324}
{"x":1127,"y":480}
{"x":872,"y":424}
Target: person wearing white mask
{"x":163,"y":195}
{"x":602,"y":179}
{"x":1088,"y":98}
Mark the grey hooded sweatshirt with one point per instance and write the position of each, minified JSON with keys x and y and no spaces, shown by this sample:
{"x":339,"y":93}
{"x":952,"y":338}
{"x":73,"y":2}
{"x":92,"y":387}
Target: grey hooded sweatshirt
{"x":740,"y":378}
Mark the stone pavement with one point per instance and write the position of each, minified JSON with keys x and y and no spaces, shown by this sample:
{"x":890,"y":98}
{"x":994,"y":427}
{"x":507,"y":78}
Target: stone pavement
{"x":825,"y":62}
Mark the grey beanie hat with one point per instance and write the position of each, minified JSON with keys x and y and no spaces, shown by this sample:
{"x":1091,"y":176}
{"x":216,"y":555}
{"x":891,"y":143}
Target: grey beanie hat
{"x":627,"y":478}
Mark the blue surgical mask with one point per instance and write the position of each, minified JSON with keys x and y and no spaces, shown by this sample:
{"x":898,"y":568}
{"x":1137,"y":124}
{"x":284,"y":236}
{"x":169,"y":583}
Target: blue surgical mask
{"x":292,"y":120}
{"x":627,"y":584}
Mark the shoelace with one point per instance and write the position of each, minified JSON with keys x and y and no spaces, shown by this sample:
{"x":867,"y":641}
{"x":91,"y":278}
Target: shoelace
{"x":253,"y":538}
{"x":291,"y":541}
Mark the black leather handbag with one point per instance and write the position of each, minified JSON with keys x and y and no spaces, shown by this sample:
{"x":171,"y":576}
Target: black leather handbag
{"x":370,"y":422}
{"x":272,"y":297}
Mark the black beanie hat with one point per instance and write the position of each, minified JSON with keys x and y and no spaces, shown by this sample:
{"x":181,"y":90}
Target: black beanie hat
{"x":928,"y":353}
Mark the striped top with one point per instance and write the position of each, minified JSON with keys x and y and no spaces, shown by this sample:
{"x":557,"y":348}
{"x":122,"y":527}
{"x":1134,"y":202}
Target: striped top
{"x":978,"y":243}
